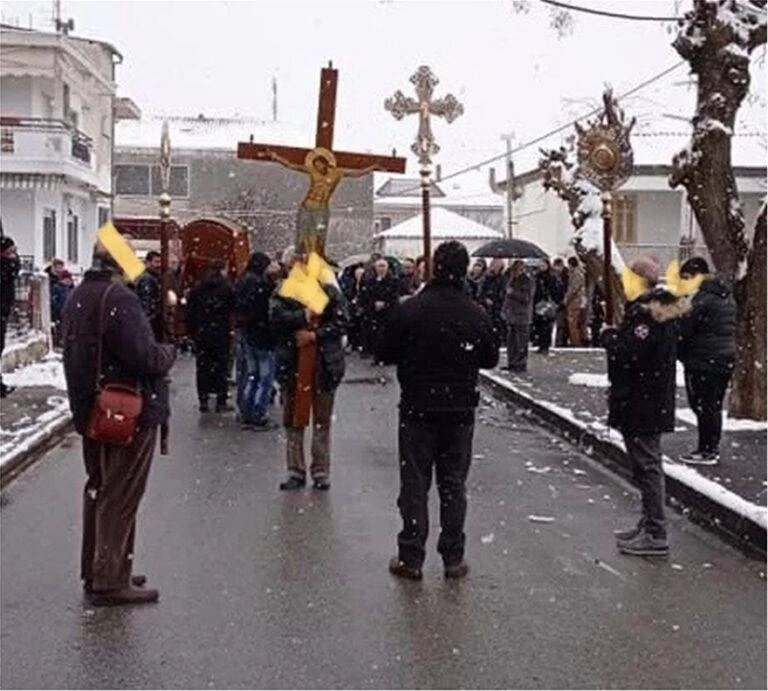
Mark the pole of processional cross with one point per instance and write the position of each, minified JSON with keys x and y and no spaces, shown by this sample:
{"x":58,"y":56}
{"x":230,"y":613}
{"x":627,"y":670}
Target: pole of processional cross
{"x":425,"y":145}
{"x":606,"y":160}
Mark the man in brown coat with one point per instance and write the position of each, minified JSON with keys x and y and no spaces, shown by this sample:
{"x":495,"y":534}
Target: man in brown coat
{"x":576,"y":302}
{"x":117,"y":475}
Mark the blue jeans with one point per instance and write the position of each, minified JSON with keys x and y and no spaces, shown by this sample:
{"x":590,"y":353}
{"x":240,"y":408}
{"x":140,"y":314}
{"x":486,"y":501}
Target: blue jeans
{"x":258,"y":375}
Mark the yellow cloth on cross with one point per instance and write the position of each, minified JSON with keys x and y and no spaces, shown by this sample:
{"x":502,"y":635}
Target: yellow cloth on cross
{"x":121,"y":251}
{"x":681,"y":286}
{"x":634,"y":285}
{"x":305,"y":283}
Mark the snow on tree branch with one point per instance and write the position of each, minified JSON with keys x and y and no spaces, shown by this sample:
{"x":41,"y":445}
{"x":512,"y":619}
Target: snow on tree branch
{"x":717,"y":38}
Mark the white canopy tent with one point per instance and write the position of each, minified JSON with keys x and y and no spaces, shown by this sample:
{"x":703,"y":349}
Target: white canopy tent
{"x":405,"y":239}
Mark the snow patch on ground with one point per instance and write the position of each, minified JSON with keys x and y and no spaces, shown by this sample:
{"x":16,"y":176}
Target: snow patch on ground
{"x":20,"y":441}
{"x":729,"y":424}
{"x":50,"y":372}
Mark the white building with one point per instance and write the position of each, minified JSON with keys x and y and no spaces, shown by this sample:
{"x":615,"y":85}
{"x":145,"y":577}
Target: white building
{"x":398,"y":198}
{"x":406,"y":239}
{"x":648,"y":216}
{"x":56,"y":141}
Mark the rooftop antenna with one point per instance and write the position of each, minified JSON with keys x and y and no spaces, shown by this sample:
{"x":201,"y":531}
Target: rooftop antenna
{"x":62,"y":27}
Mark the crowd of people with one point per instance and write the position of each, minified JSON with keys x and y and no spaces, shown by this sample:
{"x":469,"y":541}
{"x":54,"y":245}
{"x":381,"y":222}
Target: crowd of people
{"x":438,"y":333}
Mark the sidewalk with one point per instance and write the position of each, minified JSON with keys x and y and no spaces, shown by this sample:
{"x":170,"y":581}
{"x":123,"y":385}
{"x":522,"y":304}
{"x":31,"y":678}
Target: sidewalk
{"x":34,"y":415}
{"x":567,"y":389}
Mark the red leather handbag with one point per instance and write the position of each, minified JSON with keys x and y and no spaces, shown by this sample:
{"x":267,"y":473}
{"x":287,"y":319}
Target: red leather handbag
{"x":115,"y":415}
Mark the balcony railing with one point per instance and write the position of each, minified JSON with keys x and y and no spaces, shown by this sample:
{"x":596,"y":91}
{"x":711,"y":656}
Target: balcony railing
{"x":43,"y":139}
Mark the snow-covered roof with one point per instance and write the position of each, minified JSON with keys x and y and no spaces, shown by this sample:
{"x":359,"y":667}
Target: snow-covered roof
{"x":468,"y":190}
{"x":445,"y":224}
{"x":207,"y":133}
{"x":406,"y":187}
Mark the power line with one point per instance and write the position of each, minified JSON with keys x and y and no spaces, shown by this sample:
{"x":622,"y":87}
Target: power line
{"x":606,"y":13}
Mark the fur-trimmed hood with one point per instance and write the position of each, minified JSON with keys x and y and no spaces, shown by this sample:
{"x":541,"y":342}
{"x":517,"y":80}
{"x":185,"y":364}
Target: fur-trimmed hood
{"x":662,"y":305}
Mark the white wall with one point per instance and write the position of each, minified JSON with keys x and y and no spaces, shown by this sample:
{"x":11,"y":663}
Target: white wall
{"x":658,"y":217}
{"x":17,"y":208}
{"x":16,"y":96}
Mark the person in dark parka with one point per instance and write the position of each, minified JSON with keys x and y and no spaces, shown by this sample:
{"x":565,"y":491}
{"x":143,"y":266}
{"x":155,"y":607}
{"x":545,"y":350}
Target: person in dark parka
{"x":518,"y":312}
{"x":252,"y":295}
{"x":491,"y":296}
{"x":439,"y":340}
{"x":642,"y":354}
{"x":546,"y":298}
{"x":117,"y":475}
{"x":293,"y":323}
{"x":209,"y":321}
{"x":379,"y":294}
{"x":707,"y":349}
{"x":149,"y":289}
{"x":10,"y":265}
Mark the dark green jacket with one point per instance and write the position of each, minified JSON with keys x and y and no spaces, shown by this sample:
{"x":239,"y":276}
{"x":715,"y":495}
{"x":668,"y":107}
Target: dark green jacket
{"x":287,"y":316}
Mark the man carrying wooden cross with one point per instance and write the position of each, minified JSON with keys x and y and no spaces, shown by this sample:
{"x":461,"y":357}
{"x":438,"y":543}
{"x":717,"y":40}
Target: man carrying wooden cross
{"x":309,"y":315}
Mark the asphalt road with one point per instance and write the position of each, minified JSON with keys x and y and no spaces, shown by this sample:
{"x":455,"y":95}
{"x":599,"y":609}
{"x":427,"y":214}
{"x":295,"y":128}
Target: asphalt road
{"x":265,"y":589}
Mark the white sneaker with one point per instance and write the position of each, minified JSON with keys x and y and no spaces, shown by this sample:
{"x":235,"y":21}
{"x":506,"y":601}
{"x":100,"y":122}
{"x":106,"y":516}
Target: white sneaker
{"x":699,"y":458}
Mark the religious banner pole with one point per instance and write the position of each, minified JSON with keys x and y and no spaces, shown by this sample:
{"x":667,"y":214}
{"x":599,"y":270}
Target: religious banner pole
{"x":165,"y":214}
{"x":606,"y":159}
{"x":607,"y":200}
{"x":425,"y":145}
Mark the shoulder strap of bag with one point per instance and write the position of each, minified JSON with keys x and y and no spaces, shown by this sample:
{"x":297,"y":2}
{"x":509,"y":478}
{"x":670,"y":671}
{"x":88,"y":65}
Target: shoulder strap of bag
{"x":102,"y":320}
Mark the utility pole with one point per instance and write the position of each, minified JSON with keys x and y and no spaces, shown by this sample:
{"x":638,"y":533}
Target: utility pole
{"x":274,"y":98}
{"x":510,"y":185}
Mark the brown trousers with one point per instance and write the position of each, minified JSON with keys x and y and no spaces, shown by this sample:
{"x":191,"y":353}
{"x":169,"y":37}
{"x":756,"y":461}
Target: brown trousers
{"x":117,"y":477}
{"x":576,"y":326}
{"x":322,"y":412}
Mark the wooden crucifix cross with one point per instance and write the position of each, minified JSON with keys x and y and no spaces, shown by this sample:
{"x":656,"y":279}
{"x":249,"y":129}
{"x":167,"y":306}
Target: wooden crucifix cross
{"x":325,"y":169}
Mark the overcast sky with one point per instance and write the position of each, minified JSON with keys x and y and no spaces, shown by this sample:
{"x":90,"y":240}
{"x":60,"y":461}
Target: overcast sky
{"x":512,"y":71}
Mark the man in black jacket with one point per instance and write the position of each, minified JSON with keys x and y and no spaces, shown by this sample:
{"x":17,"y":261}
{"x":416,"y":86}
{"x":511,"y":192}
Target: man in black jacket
{"x":117,"y":475}
{"x":438,"y":339}
{"x":252,"y":294}
{"x":491,"y":296}
{"x":9,"y":272}
{"x":149,"y":289}
{"x":707,"y":350}
{"x":642,"y":353}
{"x":379,"y":295}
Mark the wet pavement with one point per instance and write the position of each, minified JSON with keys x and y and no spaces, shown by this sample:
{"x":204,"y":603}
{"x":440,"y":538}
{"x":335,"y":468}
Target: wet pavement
{"x":265,"y":589}
{"x":742,"y":467}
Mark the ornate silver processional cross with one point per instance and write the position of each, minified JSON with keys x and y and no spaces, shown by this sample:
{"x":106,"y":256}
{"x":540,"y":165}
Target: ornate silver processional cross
{"x":401,"y":105}
{"x":425,"y":145}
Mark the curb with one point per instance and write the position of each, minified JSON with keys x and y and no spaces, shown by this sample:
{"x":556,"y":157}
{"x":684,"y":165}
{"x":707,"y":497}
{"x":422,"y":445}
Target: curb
{"x":703,"y":501}
{"x":33,"y":448}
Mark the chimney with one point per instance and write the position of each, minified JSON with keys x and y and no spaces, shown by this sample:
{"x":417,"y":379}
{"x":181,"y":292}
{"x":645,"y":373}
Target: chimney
{"x":438,"y":173}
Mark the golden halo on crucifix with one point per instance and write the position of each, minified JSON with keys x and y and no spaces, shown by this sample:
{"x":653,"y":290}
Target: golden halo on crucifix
{"x":320,"y":152}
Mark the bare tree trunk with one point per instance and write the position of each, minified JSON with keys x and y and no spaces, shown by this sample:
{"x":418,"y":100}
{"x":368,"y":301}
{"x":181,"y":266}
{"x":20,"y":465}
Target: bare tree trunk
{"x":717,"y":38}
{"x":748,"y":393}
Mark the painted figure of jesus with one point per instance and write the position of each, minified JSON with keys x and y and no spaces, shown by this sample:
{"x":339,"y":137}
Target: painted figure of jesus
{"x":314,"y":211}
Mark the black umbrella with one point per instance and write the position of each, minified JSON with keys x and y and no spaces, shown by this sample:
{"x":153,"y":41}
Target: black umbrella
{"x":521,"y":249}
